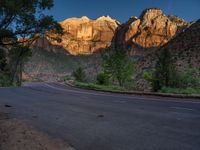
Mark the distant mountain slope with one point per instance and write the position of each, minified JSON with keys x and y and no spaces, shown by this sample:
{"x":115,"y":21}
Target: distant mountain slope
{"x":50,"y":66}
{"x":186,"y":46}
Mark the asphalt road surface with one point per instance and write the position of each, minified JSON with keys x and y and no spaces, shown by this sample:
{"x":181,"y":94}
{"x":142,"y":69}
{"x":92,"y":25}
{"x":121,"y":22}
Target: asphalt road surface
{"x":103,"y":121}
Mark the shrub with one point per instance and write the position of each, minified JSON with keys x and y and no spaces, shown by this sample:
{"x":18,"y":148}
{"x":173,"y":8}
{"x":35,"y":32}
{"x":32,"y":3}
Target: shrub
{"x":66,"y":78}
{"x":79,"y":74}
{"x":155,"y":83}
{"x":102,"y":79}
{"x":189,"y":78}
{"x":5,"y":79}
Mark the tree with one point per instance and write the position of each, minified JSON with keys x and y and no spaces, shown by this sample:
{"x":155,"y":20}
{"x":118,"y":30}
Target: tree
{"x":118,"y":65}
{"x":165,"y":74}
{"x":79,"y":74}
{"x":24,"y":19}
{"x":21,"y":23}
{"x":4,"y":71}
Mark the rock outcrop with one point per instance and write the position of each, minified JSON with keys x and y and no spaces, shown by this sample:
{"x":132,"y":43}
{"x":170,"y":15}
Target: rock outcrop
{"x":152,"y":29}
{"x":85,"y":36}
{"x":46,"y":44}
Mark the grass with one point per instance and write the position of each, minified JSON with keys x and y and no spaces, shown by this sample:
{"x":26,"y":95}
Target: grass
{"x":95,"y":86}
{"x":188,"y":90}
{"x":99,"y":87}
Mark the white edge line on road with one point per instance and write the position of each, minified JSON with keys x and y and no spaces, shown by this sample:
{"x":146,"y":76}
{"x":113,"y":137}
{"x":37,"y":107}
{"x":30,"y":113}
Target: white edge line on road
{"x":129,"y":97}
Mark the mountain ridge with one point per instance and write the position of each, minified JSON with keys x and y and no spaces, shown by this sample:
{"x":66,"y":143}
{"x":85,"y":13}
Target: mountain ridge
{"x":84,"y":36}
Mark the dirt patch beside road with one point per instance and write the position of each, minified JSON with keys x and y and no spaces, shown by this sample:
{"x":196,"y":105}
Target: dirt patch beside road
{"x":17,"y":135}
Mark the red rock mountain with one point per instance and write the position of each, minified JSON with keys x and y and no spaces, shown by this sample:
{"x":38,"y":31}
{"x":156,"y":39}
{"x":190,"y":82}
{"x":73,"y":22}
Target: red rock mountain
{"x":85,"y":36}
{"x":151,"y":30}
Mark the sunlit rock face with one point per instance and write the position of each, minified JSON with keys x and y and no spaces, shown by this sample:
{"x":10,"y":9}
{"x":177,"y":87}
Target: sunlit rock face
{"x":85,"y":36}
{"x":152,"y":29}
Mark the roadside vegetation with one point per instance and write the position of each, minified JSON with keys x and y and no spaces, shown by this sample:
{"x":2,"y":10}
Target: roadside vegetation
{"x":167,"y":78}
{"x":118,"y":72}
{"x":90,"y":85}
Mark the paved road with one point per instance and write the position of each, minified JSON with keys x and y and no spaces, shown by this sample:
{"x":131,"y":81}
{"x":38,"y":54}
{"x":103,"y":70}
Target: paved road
{"x":103,"y":121}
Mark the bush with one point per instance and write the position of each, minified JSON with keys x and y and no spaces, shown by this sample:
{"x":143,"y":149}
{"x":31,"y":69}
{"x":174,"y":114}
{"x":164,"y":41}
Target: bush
{"x":189,"y":78}
{"x":186,"y":81}
{"x":102,"y":79}
{"x":155,"y":83}
{"x":66,"y":78}
{"x":79,"y":74}
{"x":5,"y":79}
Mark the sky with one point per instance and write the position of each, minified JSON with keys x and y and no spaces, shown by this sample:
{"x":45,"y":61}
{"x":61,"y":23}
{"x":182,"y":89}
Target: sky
{"x":122,"y":10}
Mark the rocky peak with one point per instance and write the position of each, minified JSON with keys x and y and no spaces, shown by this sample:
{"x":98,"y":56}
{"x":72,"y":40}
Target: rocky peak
{"x":151,"y":13}
{"x":85,"y":18}
{"x":153,"y":29}
{"x":105,"y":18}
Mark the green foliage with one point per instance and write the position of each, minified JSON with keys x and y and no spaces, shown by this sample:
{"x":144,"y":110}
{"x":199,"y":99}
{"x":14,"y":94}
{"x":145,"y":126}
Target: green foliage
{"x":155,"y":83}
{"x":187,"y":78}
{"x":99,"y":87}
{"x":24,"y":20}
{"x":167,"y":76}
{"x":5,"y":79}
{"x":118,"y":66}
{"x":165,"y":72}
{"x":66,"y":78}
{"x":28,"y":18}
{"x":102,"y":79}
{"x":79,"y":74}
{"x":147,"y":76}
{"x":188,"y":90}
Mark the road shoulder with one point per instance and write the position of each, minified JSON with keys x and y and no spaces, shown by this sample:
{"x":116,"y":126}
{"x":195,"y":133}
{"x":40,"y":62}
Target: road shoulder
{"x":17,"y":135}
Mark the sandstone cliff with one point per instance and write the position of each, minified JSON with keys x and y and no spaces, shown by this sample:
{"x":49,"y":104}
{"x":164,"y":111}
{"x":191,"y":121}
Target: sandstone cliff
{"x":85,"y":36}
{"x":151,"y":30}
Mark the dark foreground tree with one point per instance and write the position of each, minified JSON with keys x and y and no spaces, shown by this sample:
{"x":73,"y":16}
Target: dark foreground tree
{"x":165,"y":73}
{"x":118,"y":65}
{"x":22,"y":22}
